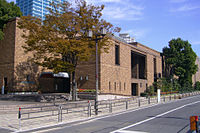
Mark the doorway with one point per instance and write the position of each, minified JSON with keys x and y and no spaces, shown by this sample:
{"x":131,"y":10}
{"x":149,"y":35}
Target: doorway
{"x":134,"y":87}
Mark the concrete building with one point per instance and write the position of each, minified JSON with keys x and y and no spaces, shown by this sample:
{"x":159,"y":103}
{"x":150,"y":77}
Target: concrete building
{"x":37,"y":8}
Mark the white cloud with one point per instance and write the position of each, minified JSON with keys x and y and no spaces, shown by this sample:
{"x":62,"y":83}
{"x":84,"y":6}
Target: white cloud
{"x":123,"y":13}
{"x":120,"y":9}
{"x":185,"y":8}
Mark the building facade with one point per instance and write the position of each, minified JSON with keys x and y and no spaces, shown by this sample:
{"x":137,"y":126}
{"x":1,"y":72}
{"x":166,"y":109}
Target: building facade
{"x":36,"y":8}
{"x":126,"y":69}
{"x":196,"y":77}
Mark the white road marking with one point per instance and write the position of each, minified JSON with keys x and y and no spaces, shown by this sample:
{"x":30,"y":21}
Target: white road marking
{"x":126,"y":131}
{"x":141,"y":122}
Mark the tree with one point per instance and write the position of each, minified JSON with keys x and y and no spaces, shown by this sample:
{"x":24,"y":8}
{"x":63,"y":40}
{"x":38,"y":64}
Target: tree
{"x":180,"y":61}
{"x":7,"y":11}
{"x":60,"y":42}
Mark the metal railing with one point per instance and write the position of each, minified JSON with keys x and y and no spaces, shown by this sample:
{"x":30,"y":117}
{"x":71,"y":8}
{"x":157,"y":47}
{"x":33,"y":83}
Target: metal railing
{"x":87,"y":109}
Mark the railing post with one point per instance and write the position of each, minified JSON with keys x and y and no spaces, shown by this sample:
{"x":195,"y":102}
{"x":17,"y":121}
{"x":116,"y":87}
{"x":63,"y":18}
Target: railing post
{"x":59,"y":113}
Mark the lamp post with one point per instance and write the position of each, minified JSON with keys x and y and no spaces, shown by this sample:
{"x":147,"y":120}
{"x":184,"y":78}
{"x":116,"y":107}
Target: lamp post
{"x":98,"y":36}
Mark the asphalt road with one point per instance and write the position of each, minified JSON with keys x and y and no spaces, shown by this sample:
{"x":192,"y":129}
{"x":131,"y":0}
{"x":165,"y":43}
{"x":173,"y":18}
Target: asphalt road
{"x":3,"y":130}
{"x":171,"y":117}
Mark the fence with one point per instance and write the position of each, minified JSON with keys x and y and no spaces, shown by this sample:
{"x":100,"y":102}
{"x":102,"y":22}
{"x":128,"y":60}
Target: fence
{"x":66,"y":112}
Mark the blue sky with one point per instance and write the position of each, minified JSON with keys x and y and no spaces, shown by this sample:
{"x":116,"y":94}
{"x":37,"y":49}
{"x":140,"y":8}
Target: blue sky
{"x":155,"y":22}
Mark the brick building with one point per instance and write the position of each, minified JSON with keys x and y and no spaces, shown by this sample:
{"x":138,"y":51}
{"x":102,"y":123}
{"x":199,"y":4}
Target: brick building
{"x":127,"y":69}
{"x":196,"y":77}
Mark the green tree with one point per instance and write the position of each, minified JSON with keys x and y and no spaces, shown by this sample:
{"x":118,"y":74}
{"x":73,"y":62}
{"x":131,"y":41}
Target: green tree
{"x":60,"y":42}
{"x":7,"y":11}
{"x":180,"y":61}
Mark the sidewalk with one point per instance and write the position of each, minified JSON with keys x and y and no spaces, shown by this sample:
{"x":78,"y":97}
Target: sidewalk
{"x":9,"y":118}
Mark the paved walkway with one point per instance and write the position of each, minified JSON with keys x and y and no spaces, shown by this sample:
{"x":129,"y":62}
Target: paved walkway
{"x":9,"y":118}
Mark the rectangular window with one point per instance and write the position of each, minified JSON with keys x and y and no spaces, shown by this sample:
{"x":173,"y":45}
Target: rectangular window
{"x":109,"y":86}
{"x":154,"y":63}
{"x":115,"y":86}
{"x":117,"y":61}
{"x":124,"y":86}
{"x":120,"y":86}
{"x":5,"y":80}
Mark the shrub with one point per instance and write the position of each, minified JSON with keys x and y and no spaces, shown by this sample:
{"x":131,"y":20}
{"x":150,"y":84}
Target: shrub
{"x":197,"y":85}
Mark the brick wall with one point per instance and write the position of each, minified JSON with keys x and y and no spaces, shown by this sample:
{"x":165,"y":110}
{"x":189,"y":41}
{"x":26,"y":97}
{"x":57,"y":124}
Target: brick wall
{"x":7,"y":48}
{"x":196,"y":77}
{"x":113,"y":78}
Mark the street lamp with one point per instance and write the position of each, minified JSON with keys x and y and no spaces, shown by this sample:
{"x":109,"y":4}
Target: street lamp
{"x":98,"y":36}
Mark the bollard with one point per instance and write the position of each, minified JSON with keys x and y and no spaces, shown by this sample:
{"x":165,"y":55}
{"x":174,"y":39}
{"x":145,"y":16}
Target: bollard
{"x":138,"y":102}
{"x":149,"y":100}
{"x":110,"y":107}
{"x":89,"y":109}
{"x":174,"y":96}
{"x":170,"y":98}
{"x":61,"y":113}
{"x":96,"y":107}
{"x":19,"y":117}
{"x":164,"y":98}
{"x":126,"y":105}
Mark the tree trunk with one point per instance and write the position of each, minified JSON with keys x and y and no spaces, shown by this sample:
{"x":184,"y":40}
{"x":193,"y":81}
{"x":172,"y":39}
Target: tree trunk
{"x":74,"y":87}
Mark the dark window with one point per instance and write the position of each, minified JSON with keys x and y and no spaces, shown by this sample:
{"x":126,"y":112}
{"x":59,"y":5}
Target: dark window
{"x":5,"y":81}
{"x":120,"y":86}
{"x":27,"y":78}
{"x":154,"y":63}
{"x":117,"y":55}
{"x":109,"y":86}
{"x":124,"y":86}
{"x":115,"y":86}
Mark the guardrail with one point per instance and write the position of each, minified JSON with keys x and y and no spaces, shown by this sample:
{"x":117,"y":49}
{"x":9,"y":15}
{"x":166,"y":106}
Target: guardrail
{"x":87,"y":109}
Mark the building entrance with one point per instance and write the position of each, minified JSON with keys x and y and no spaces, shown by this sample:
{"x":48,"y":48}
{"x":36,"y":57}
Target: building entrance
{"x":134,"y":89}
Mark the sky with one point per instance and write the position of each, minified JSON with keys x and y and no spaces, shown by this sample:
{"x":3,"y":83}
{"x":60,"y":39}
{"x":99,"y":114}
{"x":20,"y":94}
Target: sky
{"x":155,"y":22}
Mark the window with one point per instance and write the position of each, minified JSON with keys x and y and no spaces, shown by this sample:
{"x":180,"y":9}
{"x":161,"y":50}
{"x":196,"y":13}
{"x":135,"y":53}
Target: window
{"x":27,"y":78}
{"x":117,"y":62}
{"x":115,"y":86}
{"x":109,"y":86}
{"x":5,"y":79}
{"x":124,"y":86}
{"x":120,"y":86}
{"x":154,"y":63}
